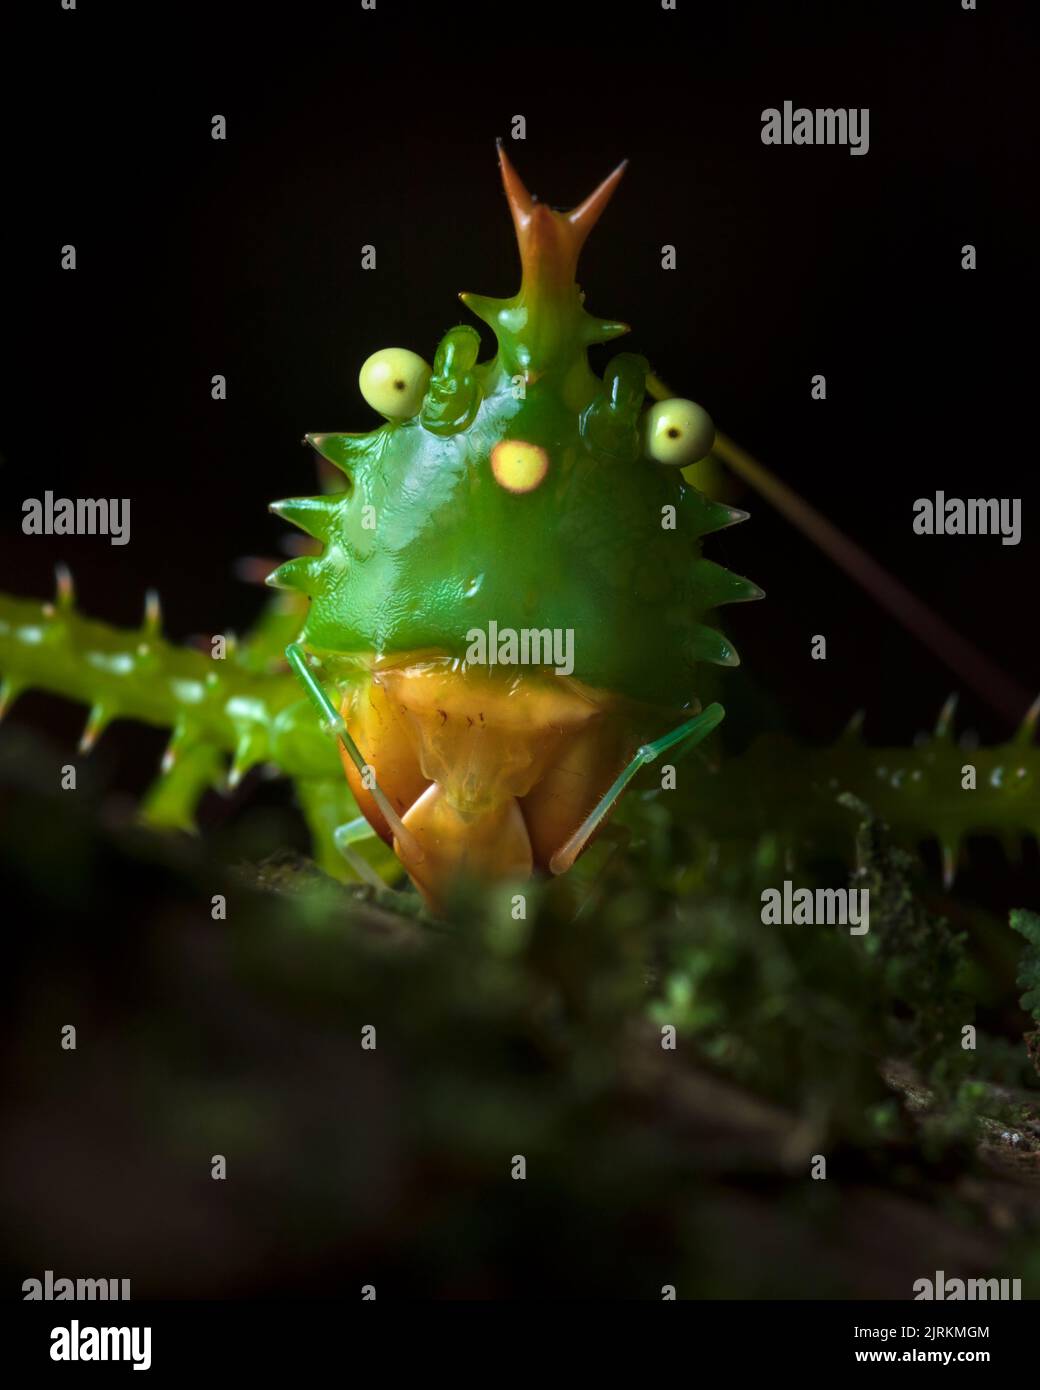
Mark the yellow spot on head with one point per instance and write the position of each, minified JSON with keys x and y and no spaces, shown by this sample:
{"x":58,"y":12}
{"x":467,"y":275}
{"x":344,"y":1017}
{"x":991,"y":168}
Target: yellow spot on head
{"x":519,"y":466}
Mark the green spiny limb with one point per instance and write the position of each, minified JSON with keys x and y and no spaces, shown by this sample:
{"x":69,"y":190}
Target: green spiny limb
{"x":939,"y":790}
{"x":136,"y":674}
{"x":923,"y":793}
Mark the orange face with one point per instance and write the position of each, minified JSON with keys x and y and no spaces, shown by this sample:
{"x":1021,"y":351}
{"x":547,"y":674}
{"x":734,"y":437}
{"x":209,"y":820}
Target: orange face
{"x":490,"y":773}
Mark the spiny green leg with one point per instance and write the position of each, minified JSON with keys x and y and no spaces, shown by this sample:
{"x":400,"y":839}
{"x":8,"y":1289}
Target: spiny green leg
{"x":683,"y":738}
{"x":333,"y":720}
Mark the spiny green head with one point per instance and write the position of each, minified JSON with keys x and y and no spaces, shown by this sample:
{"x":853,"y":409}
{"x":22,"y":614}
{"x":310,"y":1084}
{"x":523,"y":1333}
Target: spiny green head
{"x":525,"y":491}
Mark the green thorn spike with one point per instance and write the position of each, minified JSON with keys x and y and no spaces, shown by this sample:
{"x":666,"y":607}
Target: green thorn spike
{"x":338,"y":449}
{"x":10,"y":689}
{"x":716,"y":585}
{"x":312,"y":515}
{"x":97,"y":721}
{"x":181,"y":738}
{"x":64,"y":589}
{"x":707,"y":644}
{"x":713,"y":516}
{"x":484,"y":306}
{"x":298,"y":574}
{"x":1027,"y":729}
{"x":250,"y":749}
{"x":944,"y":723}
{"x":603,"y":330}
{"x":151,"y":624}
{"x":949,"y":850}
{"x":853,"y":730}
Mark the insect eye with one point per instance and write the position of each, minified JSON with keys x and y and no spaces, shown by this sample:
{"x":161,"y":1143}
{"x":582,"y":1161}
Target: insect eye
{"x":678,"y":432}
{"x":394,"y":381}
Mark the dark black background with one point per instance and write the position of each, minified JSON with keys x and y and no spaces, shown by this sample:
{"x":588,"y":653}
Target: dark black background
{"x":348,"y":127}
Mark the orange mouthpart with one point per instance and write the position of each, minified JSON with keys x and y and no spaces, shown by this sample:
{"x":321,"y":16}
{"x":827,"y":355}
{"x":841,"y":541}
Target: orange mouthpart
{"x":490,"y":773}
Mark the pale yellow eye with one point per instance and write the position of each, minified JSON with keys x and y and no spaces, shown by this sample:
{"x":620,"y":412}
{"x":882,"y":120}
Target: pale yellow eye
{"x":394,"y":381}
{"x":519,"y":466}
{"x":678,"y":432}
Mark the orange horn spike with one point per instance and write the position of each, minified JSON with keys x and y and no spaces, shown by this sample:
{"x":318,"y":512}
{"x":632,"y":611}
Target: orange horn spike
{"x":520,"y":201}
{"x":551,"y":241}
{"x":584,"y":217}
